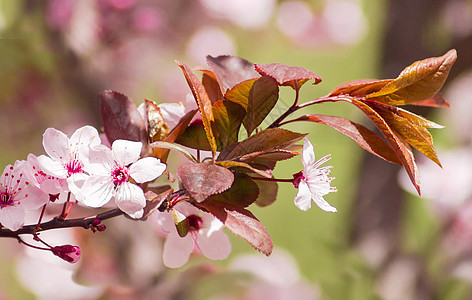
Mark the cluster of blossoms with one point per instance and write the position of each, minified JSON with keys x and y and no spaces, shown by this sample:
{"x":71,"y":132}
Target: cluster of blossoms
{"x":212,"y":192}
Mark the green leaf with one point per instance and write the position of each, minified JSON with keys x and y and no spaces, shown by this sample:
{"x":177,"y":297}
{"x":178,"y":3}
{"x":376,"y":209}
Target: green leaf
{"x":202,"y":180}
{"x":203,"y":102}
{"x":243,"y":192}
{"x":419,"y":81}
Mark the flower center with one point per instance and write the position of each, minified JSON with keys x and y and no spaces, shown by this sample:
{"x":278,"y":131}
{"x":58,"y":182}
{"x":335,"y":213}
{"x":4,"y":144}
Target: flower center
{"x":120,"y":175}
{"x":194,"y":223}
{"x":297,"y":177}
{"x":74,"y":166}
{"x":6,"y":199}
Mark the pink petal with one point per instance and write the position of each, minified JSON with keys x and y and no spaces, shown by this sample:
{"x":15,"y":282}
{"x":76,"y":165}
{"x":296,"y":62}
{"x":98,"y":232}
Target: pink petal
{"x":52,"y":167}
{"x":97,"y":191}
{"x":177,"y":250}
{"x":56,"y":144}
{"x":34,"y":198}
{"x":146,"y":169}
{"x":130,"y":199}
{"x":308,"y":154}
{"x":12,"y":217}
{"x":216,"y":246}
{"x":323,"y":204}
{"x":172,"y":113}
{"x":84,"y":138}
{"x":303,"y":198}
{"x":126,"y":152}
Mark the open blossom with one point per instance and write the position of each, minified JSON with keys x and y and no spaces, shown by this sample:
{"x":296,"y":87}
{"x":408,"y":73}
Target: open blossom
{"x":205,"y":234}
{"x":313,"y":182}
{"x":67,"y":156}
{"x":16,"y":196}
{"x":110,"y":173}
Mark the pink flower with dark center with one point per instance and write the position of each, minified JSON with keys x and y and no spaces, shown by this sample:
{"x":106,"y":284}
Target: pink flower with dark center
{"x":313,"y":182}
{"x":16,"y":196}
{"x":111,"y":173}
{"x":67,"y":155}
{"x":205,"y":234}
{"x":47,"y":183}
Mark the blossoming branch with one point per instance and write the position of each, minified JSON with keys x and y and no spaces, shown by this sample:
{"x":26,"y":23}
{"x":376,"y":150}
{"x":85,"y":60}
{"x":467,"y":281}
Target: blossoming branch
{"x":222,"y":170}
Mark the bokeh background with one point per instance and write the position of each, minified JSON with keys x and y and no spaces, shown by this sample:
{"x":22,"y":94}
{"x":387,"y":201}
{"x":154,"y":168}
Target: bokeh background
{"x":384,"y":242}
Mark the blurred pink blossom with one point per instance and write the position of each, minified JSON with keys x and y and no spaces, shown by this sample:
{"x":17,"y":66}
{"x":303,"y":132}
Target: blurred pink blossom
{"x":209,"y":41}
{"x":147,"y":19}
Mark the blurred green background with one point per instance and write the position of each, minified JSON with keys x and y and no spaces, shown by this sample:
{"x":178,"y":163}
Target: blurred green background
{"x":56,"y":56}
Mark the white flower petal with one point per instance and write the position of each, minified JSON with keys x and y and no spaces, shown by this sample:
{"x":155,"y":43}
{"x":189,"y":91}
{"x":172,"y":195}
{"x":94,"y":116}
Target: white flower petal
{"x":83,"y":139}
{"x":75,"y":182}
{"x":97,"y":191}
{"x":216,"y":246}
{"x":34,"y":198}
{"x":126,"y":152}
{"x":12,"y":217}
{"x":172,"y":113}
{"x":146,"y":169}
{"x":323,"y":204}
{"x":52,"y":167}
{"x":308,"y":154}
{"x":130,"y":198}
{"x":177,"y":250}
{"x":303,"y":198}
{"x":56,"y":144}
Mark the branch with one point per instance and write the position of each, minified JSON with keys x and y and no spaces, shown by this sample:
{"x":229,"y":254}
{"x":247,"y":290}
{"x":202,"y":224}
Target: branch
{"x":57,"y":223}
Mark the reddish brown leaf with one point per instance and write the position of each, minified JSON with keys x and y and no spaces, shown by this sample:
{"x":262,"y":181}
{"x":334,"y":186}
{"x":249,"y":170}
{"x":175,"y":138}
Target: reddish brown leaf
{"x":240,"y":93}
{"x":231,"y":70}
{"x":204,"y":103}
{"x":287,"y":75}
{"x":154,"y":197}
{"x":409,"y":126}
{"x":436,"y":101}
{"x":367,"y":139}
{"x":121,"y":119}
{"x":419,"y":81}
{"x":212,"y":86}
{"x":228,"y":119}
{"x":202,"y":180}
{"x":266,"y":140}
{"x":360,"y":87}
{"x":242,"y":223}
{"x":232,"y":164}
{"x":263,"y":96}
{"x":267,"y":192}
{"x":243,"y":192}
{"x":403,"y":152}
{"x":271,"y":155}
{"x":195,"y":137}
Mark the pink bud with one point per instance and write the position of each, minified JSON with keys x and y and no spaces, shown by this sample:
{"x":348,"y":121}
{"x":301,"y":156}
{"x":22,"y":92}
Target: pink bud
{"x":68,"y":253}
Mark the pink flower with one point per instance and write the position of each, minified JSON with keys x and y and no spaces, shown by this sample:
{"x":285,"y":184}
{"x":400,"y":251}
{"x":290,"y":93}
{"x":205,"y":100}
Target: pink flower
{"x":110,"y":173}
{"x":313,"y":182}
{"x":16,"y":196}
{"x":48,"y":184}
{"x":204,"y":233}
{"x":67,"y":156}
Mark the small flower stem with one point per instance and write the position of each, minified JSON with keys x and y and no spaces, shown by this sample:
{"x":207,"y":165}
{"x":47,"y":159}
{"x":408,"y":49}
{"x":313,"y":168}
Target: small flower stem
{"x":21,"y":241}
{"x":272,"y":179}
{"x":41,"y":217}
{"x":65,"y":211}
